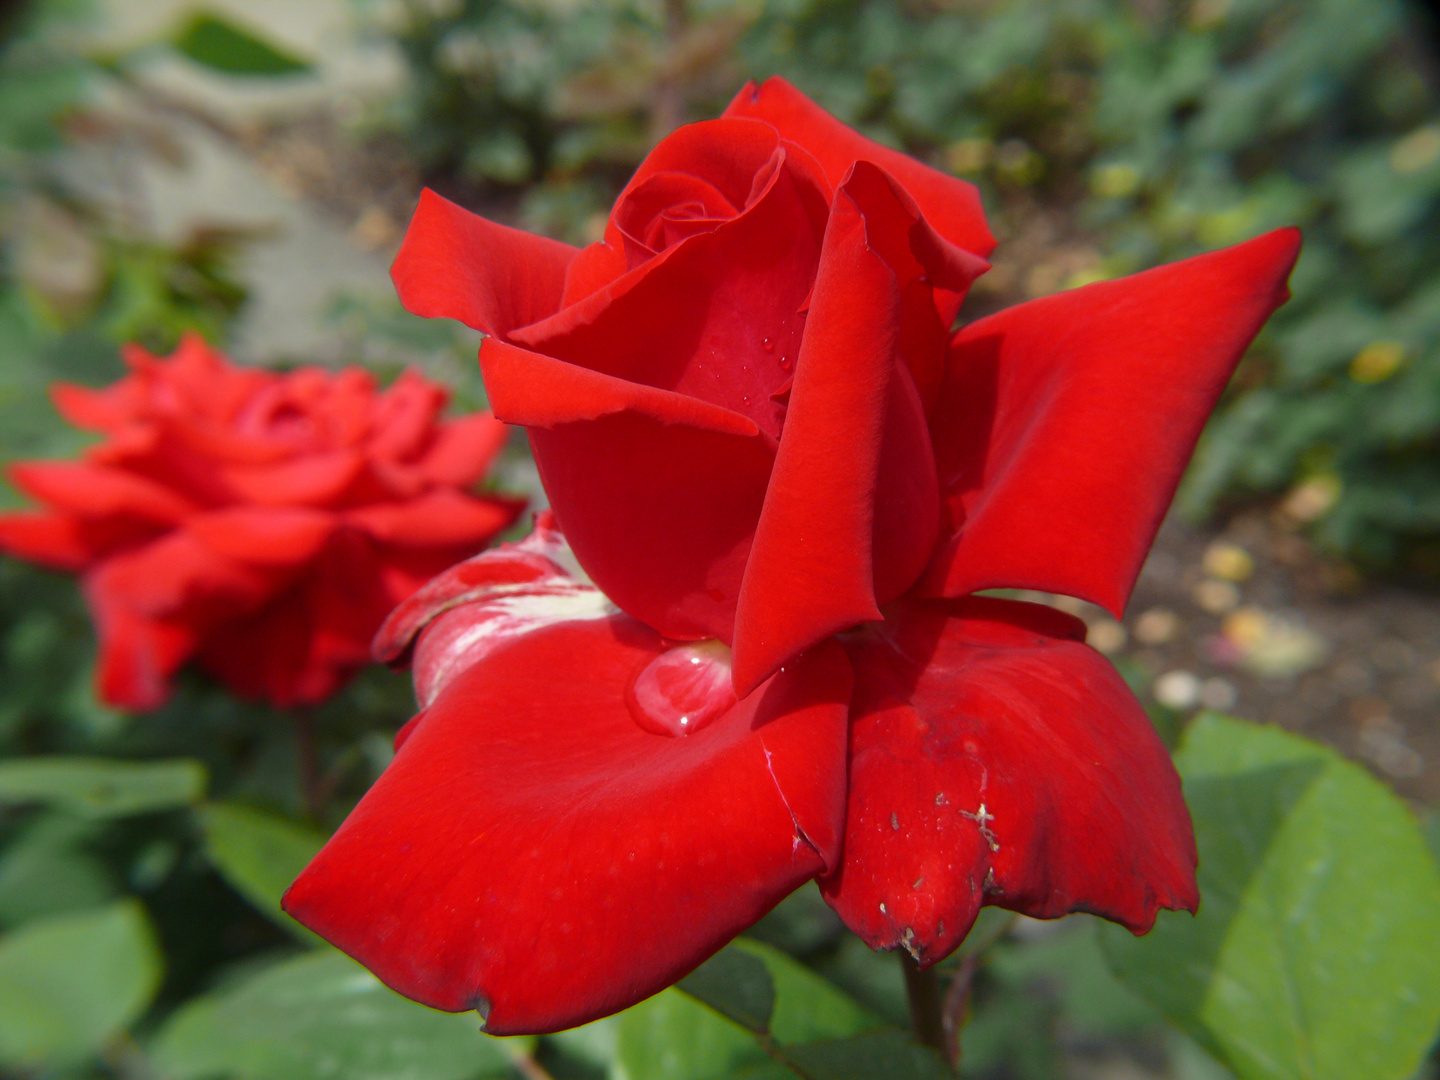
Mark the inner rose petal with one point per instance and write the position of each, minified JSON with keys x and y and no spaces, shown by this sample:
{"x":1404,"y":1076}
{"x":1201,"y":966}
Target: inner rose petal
{"x":678,"y":195}
{"x":682,"y":690}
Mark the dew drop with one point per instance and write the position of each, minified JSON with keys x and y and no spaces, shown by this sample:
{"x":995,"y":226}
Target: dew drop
{"x":786,"y":363}
{"x":767,"y":345}
{"x":683,"y":689}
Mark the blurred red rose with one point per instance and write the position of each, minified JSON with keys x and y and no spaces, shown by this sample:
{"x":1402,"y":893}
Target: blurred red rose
{"x":759,"y":430}
{"x":261,"y":524}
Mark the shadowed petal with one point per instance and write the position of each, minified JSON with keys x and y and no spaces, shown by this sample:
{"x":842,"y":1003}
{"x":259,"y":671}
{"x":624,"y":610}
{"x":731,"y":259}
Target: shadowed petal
{"x":1064,"y":423}
{"x":534,"y":853}
{"x":996,"y":759}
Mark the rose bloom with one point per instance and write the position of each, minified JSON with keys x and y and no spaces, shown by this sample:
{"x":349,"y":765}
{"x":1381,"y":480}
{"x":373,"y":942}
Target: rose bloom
{"x":261,"y":524}
{"x":787,"y":477}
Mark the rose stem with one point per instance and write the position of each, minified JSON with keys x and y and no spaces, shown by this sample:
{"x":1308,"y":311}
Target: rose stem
{"x":957,"y":1007}
{"x":922,"y":987}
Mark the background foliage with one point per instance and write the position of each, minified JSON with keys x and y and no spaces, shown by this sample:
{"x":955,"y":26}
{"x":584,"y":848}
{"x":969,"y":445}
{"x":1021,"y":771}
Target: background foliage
{"x":1156,"y":130}
{"x":142,"y":857}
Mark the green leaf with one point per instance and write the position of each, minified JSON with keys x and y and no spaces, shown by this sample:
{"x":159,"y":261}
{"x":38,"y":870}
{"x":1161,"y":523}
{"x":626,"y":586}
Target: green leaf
{"x":763,"y":1002}
{"x":320,"y":1016}
{"x":876,"y":1055}
{"x":807,"y":1006}
{"x":735,"y":984}
{"x":101,"y":788}
{"x":1313,"y":955}
{"x":259,"y":854}
{"x":766,"y":992}
{"x":49,"y":869}
{"x":673,"y":1037}
{"x":69,"y":984}
{"x":219,"y":44}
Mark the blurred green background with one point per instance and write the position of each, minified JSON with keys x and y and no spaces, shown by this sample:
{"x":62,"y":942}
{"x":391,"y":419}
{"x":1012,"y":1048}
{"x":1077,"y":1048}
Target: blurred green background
{"x":246,"y":169}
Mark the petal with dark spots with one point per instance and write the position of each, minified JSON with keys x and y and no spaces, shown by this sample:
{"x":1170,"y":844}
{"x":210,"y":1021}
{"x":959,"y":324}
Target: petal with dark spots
{"x":996,"y":759}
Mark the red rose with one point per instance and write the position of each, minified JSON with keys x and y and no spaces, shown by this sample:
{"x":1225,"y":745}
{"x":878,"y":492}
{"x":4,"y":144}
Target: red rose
{"x":258,"y":523}
{"x":757,"y":429}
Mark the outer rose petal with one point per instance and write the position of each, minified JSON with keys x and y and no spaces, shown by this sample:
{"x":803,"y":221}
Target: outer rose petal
{"x":951,"y":205}
{"x":463,"y":450}
{"x":302,"y":645}
{"x":265,"y":535}
{"x":474,"y":607}
{"x":995,"y":759}
{"x":138,"y":654}
{"x":454,"y":264}
{"x":180,"y":576}
{"x":440,"y":518}
{"x":534,"y":854}
{"x":63,"y":542}
{"x":402,"y":419}
{"x":1065,"y":423}
{"x":489,"y":573}
{"x":97,"y":492}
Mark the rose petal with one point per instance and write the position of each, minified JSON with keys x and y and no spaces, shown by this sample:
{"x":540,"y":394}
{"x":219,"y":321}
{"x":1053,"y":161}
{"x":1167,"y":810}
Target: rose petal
{"x":494,"y":597}
{"x":105,"y":410}
{"x":91,"y":491}
{"x":535,"y":390}
{"x":995,"y":759}
{"x":463,"y":450}
{"x":402,"y":419}
{"x":264,"y":656}
{"x":505,"y":566}
{"x":69,"y":543}
{"x":657,"y":494}
{"x":640,"y":217}
{"x":849,"y":522}
{"x":264,"y":535}
{"x":440,"y":518}
{"x":138,"y":655}
{"x":315,"y":479}
{"x":454,"y":264}
{"x":724,"y":153}
{"x":1065,"y":423}
{"x":716,"y":317}
{"x":595,"y":267}
{"x":529,"y":837}
{"x":951,"y":205}
{"x":177,"y":576}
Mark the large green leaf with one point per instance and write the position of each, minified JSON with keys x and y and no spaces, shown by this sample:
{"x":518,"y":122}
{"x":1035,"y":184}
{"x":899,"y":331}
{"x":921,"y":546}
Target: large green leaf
{"x":259,"y":854}
{"x":71,"y":983}
{"x":102,"y":788}
{"x":221,"y":45}
{"x":673,"y":1037}
{"x":1314,"y":953}
{"x":323,"y":1016}
{"x":50,"y":868}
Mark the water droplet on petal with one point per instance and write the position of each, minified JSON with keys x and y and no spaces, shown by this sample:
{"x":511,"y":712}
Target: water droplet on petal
{"x":767,"y":345}
{"x":683,"y":689}
{"x":786,"y":363}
